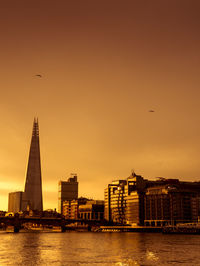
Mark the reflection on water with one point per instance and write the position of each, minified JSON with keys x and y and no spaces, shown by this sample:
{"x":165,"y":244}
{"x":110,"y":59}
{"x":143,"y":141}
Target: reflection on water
{"x":86,"y":248}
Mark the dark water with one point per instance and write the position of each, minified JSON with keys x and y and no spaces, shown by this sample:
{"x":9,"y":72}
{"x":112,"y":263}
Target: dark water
{"x":86,"y":248}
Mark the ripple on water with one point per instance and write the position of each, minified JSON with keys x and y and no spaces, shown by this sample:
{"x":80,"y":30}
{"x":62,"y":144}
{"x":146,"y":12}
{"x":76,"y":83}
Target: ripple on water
{"x":76,"y":248}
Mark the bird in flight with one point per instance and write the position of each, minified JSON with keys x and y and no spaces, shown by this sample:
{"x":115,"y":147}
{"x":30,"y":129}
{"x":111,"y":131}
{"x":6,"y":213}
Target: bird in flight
{"x":38,"y":75}
{"x":151,"y":111}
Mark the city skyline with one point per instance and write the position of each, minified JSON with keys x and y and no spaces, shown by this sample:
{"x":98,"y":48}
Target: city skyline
{"x":93,"y":73}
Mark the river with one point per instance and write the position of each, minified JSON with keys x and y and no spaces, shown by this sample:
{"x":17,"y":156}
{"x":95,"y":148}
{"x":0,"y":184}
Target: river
{"x":87,"y":248}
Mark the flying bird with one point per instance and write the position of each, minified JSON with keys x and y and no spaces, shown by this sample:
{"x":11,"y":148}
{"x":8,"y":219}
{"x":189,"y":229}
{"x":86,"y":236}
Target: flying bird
{"x":38,"y":75}
{"x":151,"y":111}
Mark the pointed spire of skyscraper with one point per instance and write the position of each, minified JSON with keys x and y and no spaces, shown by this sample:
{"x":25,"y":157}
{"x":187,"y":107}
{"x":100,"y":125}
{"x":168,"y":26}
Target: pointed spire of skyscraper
{"x":33,"y":187}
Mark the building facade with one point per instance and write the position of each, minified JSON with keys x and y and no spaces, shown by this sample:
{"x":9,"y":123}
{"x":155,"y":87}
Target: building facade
{"x":70,"y":209}
{"x":67,"y":191}
{"x":92,"y":210}
{"x":172,"y":203}
{"x":124,"y":201}
{"x":83,"y":208}
{"x":15,"y":201}
{"x":138,"y":201}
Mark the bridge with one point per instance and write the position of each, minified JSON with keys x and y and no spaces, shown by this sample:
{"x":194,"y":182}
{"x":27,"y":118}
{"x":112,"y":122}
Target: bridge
{"x":18,"y":222}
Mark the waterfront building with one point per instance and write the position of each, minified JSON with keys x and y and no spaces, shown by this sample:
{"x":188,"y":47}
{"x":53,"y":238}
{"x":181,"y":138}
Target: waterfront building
{"x":92,"y":210}
{"x":124,"y":200}
{"x":67,"y":191}
{"x":83,"y":208}
{"x":70,"y":209}
{"x":138,"y":201}
{"x":31,"y":198}
{"x":171,"y":203}
{"x":15,"y":201}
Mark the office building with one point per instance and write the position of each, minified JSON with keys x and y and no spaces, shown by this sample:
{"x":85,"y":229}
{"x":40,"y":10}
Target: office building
{"x":70,"y":209}
{"x":172,"y":202}
{"x":67,"y":191}
{"x":138,"y":201}
{"x":92,"y":210}
{"x":15,"y":201}
{"x":32,"y":196}
{"x":124,"y":200}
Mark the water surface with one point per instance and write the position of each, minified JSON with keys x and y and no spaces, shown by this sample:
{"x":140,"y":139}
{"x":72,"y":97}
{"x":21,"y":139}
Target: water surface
{"x":87,"y":248}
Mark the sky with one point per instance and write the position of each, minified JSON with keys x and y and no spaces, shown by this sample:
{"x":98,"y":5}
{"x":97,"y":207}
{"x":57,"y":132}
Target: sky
{"x":104,"y":65}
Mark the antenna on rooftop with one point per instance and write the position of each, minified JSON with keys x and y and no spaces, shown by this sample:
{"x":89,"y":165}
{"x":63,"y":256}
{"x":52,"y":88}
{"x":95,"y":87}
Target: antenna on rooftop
{"x":132,"y":172}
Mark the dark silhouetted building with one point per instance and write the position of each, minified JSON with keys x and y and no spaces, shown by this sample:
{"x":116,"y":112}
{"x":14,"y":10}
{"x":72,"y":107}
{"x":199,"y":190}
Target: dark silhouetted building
{"x":67,"y":191}
{"x":172,"y":202}
{"x":31,"y":198}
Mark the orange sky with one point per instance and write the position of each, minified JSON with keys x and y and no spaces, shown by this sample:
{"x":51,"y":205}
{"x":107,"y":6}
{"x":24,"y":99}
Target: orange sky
{"x":105,"y":64}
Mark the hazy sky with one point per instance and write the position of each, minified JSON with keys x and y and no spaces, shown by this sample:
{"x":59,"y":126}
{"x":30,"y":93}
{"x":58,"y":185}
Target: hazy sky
{"x":105,"y":64}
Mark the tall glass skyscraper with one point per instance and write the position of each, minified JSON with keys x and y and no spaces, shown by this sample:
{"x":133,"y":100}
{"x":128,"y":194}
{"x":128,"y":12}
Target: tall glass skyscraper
{"x":32,"y":196}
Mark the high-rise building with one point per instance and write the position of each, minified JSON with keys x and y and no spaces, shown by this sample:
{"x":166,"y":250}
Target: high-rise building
{"x":124,"y":200}
{"x":31,"y":198}
{"x":15,"y":201}
{"x":67,"y":190}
